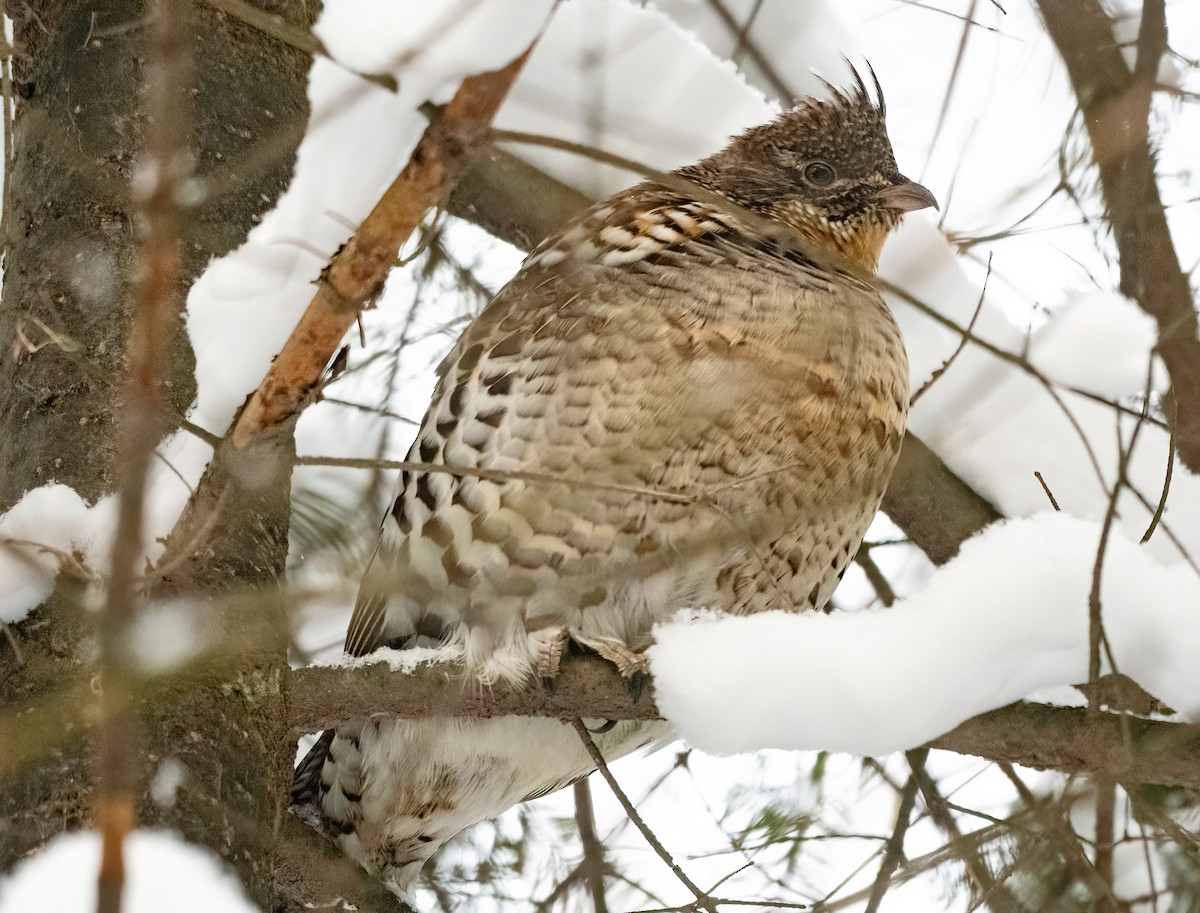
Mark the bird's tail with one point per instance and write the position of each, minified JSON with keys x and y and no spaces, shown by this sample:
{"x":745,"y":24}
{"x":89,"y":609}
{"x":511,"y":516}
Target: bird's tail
{"x":306,"y":782}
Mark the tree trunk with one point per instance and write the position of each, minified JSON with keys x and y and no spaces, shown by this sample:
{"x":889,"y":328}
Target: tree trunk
{"x":68,"y":279}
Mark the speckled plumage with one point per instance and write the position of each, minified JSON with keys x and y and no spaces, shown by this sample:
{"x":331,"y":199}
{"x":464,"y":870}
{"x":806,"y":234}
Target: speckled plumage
{"x":693,"y":414}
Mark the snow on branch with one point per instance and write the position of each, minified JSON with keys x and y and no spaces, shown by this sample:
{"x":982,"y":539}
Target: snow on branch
{"x":1067,"y":739}
{"x":1005,"y":619}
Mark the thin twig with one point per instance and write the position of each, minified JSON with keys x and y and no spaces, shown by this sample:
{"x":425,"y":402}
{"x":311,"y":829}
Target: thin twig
{"x":962,"y":342}
{"x":162,"y":172}
{"x":894,"y":849}
{"x":593,"y":865}
{"x":990,"y":890}
{"x":955,"y":70}
{"x":1037,"y":474}
{"x":761,"y":60}
{"x":702,"y":899}
{"x":1166,"y":490}
{"x":498,"y":475}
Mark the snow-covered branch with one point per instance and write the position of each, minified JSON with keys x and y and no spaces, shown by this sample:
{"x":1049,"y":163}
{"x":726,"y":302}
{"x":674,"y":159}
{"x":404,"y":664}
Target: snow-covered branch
{"x":1006,"y":619}
{"x":1067,"y":739}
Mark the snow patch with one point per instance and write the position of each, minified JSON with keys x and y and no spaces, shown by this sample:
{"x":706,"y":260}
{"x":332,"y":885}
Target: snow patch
{"x":163,"y":872}
{"x":407,"y":660}
{"x":1099,"y":342}
{"x":628,"y":80}
{"x":36,"y":536}
{"x":1007,"y":617}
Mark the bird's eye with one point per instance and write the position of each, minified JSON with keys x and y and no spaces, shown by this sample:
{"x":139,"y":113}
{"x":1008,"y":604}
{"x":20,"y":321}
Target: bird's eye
{"x":819,"y":174}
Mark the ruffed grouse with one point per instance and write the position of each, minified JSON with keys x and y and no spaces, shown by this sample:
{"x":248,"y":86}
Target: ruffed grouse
{"x":702,"y":401}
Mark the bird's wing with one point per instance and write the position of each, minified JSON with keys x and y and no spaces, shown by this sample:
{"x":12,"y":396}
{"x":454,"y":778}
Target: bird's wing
{"x":545,"y":385}
{"x":584,"y":381}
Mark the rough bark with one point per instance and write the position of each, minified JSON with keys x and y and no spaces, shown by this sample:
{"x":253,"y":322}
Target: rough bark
{"x":70,"y":246}
{"x":70,"y":236}
{"x":69,"y":268}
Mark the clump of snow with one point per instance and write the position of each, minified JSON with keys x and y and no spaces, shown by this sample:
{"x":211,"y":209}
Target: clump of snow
{"x":166,"y":635}
{"x":994,"y":424}
{"x":1099,"y":342}
{"x":1005,"y":618}
{"x":162,"y":872}
{"x":52,"y":524}
{"x":406,"y":660}
{"x":797,"y":37}
{"x":168,"y":778}
{"x":44,"y":526}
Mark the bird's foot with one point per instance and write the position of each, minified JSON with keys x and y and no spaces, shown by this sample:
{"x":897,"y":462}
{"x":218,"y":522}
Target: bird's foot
{"x":629,"y":663}
{"x":636,"y":684}
{"x":550,"y":647}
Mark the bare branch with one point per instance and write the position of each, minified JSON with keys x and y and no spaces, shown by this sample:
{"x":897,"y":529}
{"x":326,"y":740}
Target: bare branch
{"x":157,"y":191}
{"x":894,"y":849}
{"x":324,"y":697}
{"x":990,"y":890}
{"x":703,"y":901}
{"x":593,"y":866}
{"x":1116,"y":104}
{"x":357,"y":273}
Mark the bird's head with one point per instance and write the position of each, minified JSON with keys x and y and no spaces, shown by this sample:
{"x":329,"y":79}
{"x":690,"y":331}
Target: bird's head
{"x":824,"y":167}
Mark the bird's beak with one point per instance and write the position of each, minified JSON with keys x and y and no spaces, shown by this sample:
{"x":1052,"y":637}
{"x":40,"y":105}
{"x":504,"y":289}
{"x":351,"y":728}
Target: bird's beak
{"x":906,"y":196}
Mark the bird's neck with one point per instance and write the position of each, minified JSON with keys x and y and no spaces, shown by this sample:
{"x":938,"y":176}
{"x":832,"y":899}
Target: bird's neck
{"x":861,"y":246}
{"x":860,"y":240}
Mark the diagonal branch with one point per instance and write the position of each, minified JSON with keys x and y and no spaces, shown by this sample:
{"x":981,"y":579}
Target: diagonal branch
{"x":358,"y":271}
{"x":703,"y":901}
{"x":1116,"y":105}
{"x":894,"y":849}
{"x":250,"y":455}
